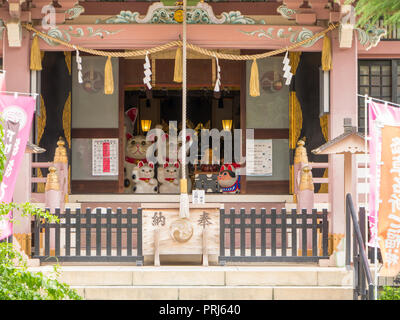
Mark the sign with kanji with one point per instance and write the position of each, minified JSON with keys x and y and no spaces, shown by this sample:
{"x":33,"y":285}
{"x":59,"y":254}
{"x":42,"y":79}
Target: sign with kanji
{"x":105,"y":157}
{"x":389,"y":208}
{"x":181,"y":235}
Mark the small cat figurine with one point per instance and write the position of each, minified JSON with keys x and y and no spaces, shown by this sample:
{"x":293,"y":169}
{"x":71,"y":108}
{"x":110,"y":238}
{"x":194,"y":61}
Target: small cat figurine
{"x":143,"y":178}
{"x":228,"y":180}
{"x":168,"y":177}
{"x":136,"y":149}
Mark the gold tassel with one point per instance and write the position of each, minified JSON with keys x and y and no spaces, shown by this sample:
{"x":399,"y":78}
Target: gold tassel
{"x":108,"y":78}
{"x":326,"y":57}
{"x":178,"y":65}
{"x":36,"y":56}
{"x":254,"y":80}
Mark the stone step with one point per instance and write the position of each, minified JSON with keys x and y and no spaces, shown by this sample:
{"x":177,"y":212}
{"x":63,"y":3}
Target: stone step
{"x":257,"y":276}
{"x":215,"y":292}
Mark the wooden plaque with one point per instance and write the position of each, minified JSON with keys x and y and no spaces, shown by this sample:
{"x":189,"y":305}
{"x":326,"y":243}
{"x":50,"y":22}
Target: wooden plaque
{"x":181,"y":236}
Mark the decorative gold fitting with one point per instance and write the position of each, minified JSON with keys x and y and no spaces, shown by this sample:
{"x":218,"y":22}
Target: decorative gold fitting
{"x":52,"y":182}
{"x":300,"y":155}
{"x":60,"y":155}
{"x":306,"y":182}
{"x":184,"y":187}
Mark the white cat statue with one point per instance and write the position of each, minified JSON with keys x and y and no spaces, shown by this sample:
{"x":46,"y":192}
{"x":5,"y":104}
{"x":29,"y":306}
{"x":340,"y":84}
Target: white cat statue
{"x":135,"y":151}
{"x":168,"y":177}
{"x":143,"y":178}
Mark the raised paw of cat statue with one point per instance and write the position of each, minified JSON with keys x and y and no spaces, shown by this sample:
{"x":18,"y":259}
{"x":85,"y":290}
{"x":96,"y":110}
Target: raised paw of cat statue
{"x":168,"y":177}
{"x":143,"y":178}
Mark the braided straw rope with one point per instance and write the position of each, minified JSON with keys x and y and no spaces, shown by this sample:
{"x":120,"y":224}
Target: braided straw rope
{"x":172,"y":44}
{"x":227,"y":56}
{"x":125,"y":54}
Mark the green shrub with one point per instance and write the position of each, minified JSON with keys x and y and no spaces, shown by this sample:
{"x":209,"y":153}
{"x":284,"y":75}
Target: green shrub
{"x":17,"y":283}
{"x":390,"y":293}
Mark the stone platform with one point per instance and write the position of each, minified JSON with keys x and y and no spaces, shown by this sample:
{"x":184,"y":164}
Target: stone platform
{"x":208,"y":283}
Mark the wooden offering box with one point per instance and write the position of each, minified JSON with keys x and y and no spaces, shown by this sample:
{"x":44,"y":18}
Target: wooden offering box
{"x":164,"y":232}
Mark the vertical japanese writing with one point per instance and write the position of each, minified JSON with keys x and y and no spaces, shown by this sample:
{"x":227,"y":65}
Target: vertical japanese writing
{"x":389,"y":210}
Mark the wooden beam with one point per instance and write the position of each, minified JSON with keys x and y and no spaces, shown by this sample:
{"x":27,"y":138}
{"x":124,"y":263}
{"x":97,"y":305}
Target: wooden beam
{"x":271,"y":133}
{"x":135,"y":36}
{"x":121,"y":133}
{"x":93,"y":133}
{"x":114,"y":8}
{"x":94,"y":186}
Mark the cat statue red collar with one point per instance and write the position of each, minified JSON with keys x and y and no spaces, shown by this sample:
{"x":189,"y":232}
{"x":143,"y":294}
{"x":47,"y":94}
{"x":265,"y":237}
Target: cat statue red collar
{"x":168,"y":176}
{"x":143,"y":178}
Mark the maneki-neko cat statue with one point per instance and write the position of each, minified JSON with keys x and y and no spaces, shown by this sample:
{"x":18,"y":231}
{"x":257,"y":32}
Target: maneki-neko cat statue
{"x":169,"y":176}
{"x":228,"y":179}
{"x":135,"y":152}
{"x":143,"y":178}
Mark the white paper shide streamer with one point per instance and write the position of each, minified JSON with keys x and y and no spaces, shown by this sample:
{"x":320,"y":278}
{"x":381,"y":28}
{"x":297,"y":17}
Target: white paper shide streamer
{"x":218,"y":80}
{"x":79,"y":65}
{"x":147,"y":72}
{"x":286,"y":69}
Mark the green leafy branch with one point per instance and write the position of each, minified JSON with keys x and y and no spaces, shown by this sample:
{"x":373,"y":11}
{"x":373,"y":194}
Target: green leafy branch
{"x":369,"y":12}
{"x":17,"y":283}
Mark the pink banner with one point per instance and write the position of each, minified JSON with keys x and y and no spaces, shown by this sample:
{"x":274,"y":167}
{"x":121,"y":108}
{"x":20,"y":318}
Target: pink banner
{"x":379,"y":115}
{"x":2,"y":81}
{"x":17,"y":114}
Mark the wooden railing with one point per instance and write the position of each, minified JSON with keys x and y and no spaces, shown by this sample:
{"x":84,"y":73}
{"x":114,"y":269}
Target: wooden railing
{"x":320,"y":197}
{"x":90,"y":237}
{"x":273,"y":237}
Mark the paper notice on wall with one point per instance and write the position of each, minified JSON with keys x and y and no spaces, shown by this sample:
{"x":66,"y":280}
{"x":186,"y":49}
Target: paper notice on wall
{"x":258,"y":157}
{"x":105,"y":157}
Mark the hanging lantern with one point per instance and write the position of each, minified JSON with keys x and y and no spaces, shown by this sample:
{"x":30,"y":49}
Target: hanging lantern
{"x":227,"y":125}
{"x":146,"y":125}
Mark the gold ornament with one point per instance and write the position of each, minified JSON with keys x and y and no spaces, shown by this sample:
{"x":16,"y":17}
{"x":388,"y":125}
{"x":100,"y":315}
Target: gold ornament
{"x":60,"y":155}
{"x":178,"y":16}
{"x":306,"y":181}
{"x":301,"y":153}
{"x":52,"y":180}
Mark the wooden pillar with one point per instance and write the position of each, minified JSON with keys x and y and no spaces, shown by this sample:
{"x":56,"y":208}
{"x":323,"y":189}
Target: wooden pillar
{"x":300,"y":160}
{"x":53,"y":200}
{"x":343,"y":104}
{"x":61,"y":164}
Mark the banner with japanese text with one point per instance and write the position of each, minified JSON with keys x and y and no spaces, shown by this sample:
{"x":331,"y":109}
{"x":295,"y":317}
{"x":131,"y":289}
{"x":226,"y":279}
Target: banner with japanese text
{"x":389,"y":208}
{"x":16,"y":114}
{"x":379,"y":114}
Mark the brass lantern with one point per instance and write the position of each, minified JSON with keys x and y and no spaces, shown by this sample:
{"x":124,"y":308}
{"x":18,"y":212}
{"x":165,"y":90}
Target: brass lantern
{"x":146,"y":125}
{"x":227,"y":125}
